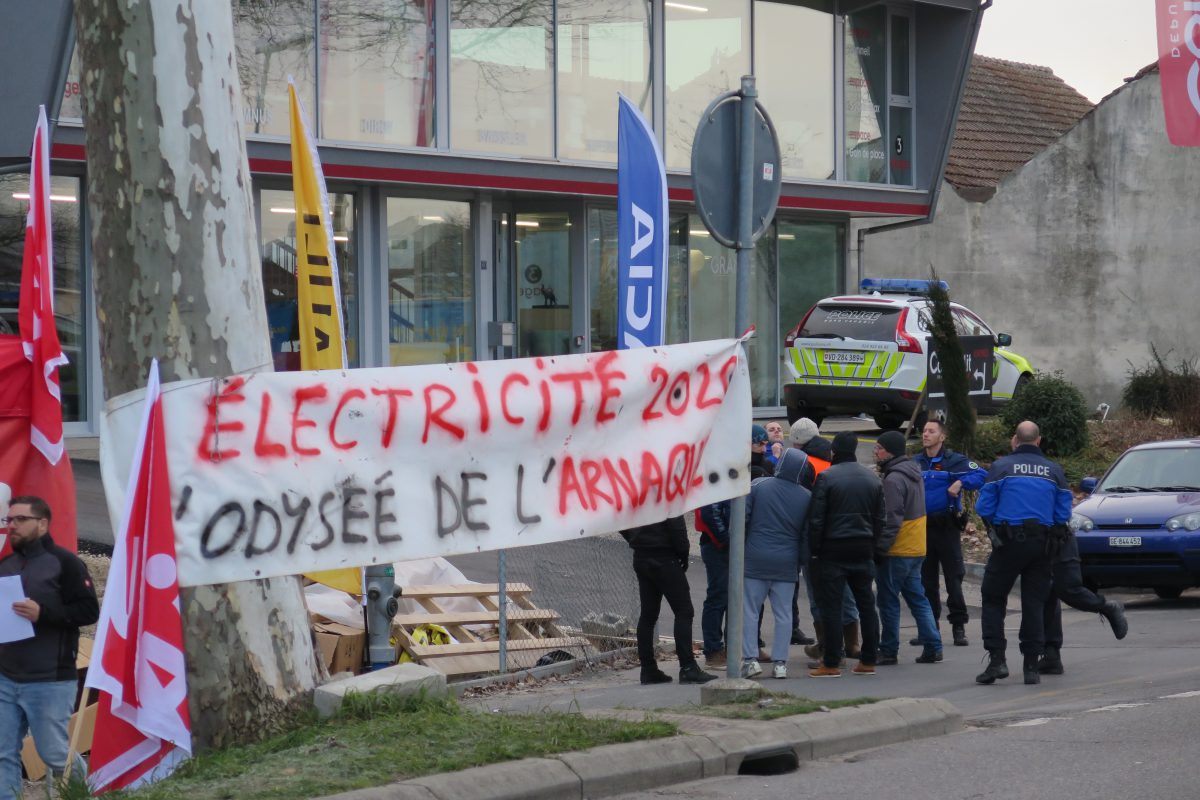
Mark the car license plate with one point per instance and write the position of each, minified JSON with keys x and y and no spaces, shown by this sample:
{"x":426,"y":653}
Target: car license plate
{"x":841,"y":357}
{"x":1124,"y":541}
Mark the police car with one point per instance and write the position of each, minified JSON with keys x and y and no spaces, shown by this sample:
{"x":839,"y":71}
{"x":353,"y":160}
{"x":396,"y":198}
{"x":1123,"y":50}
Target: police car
{"x":1140,"y":526}
{"x":867,"y":353}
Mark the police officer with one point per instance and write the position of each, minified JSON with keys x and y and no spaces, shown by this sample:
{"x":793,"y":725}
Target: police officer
{"x":1024,"y":496}
{"x":1069,"y":588}
{"x":947,"y":474}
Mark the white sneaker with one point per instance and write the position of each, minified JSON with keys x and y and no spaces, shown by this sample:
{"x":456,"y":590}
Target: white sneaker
{"x":751,"y":669}
{"x":780,"y":669}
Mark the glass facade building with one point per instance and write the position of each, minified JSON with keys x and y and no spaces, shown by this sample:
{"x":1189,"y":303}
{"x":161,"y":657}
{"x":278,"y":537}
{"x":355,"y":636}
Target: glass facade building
{"x":470,"y":154}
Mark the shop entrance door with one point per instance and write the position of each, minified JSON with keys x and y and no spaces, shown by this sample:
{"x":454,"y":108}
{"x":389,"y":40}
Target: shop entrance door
{"x":550,"y":300}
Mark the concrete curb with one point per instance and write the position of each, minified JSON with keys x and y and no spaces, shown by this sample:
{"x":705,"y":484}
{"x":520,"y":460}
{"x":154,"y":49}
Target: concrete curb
{"x":638,"y":766}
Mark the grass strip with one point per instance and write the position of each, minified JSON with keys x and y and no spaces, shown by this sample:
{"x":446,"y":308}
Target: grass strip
{"x":379,"y":739}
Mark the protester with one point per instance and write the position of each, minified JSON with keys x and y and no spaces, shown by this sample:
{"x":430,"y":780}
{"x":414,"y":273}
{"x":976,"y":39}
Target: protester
{"x":900,"y":552}
{"x":38,"y":680}
{"x":775,"y":442}
{"x":760,"y":467}
{"x":804,"y":436}
{"x":776,"y":510}
{"x":660,"y":561}
{"x":845,"y":524}
{"x":947,"y":474}
{"x":1024,"y":496}
{"x":712,"y":523}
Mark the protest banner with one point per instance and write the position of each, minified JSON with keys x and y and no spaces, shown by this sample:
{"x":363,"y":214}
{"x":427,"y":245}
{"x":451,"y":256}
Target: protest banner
{"x":283,"y":473}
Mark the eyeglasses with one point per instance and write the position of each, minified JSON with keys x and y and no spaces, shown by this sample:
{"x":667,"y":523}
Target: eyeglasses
{"x":18,"y":518}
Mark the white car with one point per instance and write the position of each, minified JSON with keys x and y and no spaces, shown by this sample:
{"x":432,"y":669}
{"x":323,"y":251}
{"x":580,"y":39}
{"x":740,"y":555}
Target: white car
{"x":867,"y":353}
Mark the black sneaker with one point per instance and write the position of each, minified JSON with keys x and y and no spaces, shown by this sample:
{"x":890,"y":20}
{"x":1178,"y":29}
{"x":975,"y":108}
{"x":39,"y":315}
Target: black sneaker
{"x":657,"y":676}
{"x":997,"y":668}
{"x":960,"y":635}
{"x":693,"y":674}
{"x":1114,"y":612}
{"x":886,"y":661}
{"x":1030,"y":668}
{"x":800,"y":637}
{"x":929,"y":656}
{"x":1051,"y":662}
{"x":915,"y":641}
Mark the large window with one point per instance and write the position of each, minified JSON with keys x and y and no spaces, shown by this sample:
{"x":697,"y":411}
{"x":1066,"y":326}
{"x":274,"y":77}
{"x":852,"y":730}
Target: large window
{"x":810,"y":268}
{"x":794,"y":70}
{"x":707,"y":53}
{"x":68,"y":277}
{"x":603,"y":50}
{"x":501,"y":77}
{"x":377,"y":72}
{"x":430,"y":281}
{"x":277,"y":234}
{"x":602,"y":274}
{"x":274,"y":39}
{"x":879,"y":97}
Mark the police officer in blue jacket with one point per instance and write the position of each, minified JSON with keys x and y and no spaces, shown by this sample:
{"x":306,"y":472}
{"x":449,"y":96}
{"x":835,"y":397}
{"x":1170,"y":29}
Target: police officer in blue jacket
{"x":947,"y":474}
{"x":1024,"y":497}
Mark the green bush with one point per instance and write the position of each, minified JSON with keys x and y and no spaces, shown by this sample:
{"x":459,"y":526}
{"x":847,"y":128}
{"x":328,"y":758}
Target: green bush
{"x":1159,"y":390}
{"x":1058,"y":409}
{"x":993,"y":438}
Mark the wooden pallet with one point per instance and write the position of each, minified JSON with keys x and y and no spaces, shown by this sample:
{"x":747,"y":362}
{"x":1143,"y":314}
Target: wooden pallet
{"x":532,"y":631}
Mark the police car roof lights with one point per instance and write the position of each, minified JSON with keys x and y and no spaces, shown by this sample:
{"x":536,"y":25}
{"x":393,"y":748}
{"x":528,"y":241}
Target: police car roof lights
{"x":899,"y":286}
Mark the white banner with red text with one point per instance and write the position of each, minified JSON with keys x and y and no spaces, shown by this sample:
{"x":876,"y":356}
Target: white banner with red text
{"x":282,"y":473}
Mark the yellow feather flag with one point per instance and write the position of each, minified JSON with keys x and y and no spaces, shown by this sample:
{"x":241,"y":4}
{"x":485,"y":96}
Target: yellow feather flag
{"x":318,"y":292}
{"x":317,"y":289}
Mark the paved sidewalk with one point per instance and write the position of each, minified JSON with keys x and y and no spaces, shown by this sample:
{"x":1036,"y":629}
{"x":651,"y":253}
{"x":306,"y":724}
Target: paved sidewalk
{"x":707,"y":747}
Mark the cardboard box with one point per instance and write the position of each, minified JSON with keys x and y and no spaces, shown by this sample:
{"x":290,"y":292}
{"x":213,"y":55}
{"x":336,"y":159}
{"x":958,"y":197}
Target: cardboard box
{"x":35,"y":769}
{"x":342,"y":648}
{"x":84,"y":656}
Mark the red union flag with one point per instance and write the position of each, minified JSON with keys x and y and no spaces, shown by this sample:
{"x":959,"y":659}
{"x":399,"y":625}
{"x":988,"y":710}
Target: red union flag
{"x":143,"y":730}
{"x":31,"y":431}
{"x":1179,"y":69}
{"x":39,"y":336}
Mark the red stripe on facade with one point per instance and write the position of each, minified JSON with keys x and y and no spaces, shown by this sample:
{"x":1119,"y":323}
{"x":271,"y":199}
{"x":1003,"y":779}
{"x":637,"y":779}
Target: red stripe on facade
{"x":68,"y":152}
{"x":863,"y":206}
{"x":439,"y":178}
{"x":269,"y":166}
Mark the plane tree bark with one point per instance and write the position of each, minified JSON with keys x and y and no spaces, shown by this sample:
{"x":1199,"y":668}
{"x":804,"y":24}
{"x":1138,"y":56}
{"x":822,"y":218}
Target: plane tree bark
{"x":177,"y":277}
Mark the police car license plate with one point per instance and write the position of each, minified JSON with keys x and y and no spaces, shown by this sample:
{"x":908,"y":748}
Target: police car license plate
{"x":1124,"y":541}
{"x":841,"y":357}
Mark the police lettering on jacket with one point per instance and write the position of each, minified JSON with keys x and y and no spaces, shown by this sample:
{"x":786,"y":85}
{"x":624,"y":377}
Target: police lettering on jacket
{"x":1025,"y":485}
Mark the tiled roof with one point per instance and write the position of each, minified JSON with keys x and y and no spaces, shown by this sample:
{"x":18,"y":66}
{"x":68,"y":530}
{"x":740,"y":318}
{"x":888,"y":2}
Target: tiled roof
{"x":1010,"y":112}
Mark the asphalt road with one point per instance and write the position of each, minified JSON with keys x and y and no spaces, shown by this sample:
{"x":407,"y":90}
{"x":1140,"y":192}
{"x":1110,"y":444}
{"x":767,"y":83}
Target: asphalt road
{"x":1121,"y":723}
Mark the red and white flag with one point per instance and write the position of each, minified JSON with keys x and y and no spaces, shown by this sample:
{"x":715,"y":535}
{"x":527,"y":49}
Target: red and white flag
{"x":143,"y":730}
{"x":39,"y":336}
{"x":31,"y":428}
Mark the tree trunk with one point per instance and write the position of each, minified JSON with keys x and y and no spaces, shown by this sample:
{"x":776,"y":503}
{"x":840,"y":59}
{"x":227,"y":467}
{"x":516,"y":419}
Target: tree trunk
{"x":177,"y":277}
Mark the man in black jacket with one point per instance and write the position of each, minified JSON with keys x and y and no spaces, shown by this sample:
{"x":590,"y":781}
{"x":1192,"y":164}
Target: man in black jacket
{"x":845,"y":522}
{"x":38,"y":681}
{"x":660,"y":560}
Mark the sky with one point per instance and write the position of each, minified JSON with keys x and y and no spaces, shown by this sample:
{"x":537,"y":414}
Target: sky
{"x":1093,"y":45}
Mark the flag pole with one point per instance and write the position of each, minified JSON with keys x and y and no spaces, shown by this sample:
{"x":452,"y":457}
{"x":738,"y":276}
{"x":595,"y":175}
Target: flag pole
{"x":76,"y":733}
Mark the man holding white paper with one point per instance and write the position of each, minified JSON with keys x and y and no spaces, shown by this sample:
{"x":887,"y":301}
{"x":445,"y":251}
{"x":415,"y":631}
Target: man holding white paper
{"x":38,"y":680}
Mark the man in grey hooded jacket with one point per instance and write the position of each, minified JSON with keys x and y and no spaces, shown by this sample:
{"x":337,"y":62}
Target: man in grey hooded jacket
{"x":776,"y":547}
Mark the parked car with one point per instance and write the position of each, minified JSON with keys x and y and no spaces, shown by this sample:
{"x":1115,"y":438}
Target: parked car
{"x":1140,"y":526}
{"x":867,"y":353}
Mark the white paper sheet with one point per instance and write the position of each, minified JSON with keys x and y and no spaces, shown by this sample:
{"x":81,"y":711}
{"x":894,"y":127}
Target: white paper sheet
{"x":12,"y":627}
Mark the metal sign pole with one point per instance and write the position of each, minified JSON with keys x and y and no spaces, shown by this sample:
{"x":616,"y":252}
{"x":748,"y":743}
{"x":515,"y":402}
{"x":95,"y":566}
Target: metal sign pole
{"x":502,"y":601}
{"x":745,"y":244}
